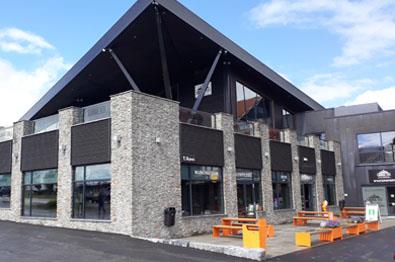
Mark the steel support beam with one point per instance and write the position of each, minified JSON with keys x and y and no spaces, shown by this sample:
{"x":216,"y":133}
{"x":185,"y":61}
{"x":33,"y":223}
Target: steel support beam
{"x":205,"y":84}
{"x":163,"y":56}
{"x":123,"y":69}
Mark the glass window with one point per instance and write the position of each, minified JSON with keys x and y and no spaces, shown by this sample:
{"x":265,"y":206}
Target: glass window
{"x":5,"y":190}
{"x":97,"y":111}
{"x":248,"y":191}
{"x":251,"y":106}
{"x":330,"y":190}
{"x":6,"y":133}
{"x":201,"y":188}
{"x":46,"y":124}
{"x":288,"y":119}
{"x":388,"y":140}
{"x":40,"y":193}
{"x":92,"y":192}
{"x":281,"y":182}
{"x":376,"y":147}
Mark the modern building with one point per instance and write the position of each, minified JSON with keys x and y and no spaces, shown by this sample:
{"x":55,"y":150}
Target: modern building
{"x":166,"y":112}
{"x":367,"y":136}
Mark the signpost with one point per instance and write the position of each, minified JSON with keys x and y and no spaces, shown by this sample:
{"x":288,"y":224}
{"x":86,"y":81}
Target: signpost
{"x":372,"y":212}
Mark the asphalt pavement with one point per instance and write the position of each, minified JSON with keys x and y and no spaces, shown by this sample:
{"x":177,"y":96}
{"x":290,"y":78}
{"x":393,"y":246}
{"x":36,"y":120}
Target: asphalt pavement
{"x":372,"y":247}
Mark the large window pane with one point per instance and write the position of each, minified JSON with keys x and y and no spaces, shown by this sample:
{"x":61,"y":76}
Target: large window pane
{"x":92,"y":192}
{"x":40,"y":193}
{"x":330,"y":190}
{"x":201,"y":190}
{"x":281,"y":184}
{"x":5,"y":190}
{"x":388,"y":139}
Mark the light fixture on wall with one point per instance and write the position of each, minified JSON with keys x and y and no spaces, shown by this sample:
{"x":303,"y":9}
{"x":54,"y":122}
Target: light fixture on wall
{"x":305,"y":159}
{"x":319,"y":161}
{"x":230,"y":149}
{"x":296,"y":158}
{"x":157,"y":140}
{"x":118,"y":139}
{"x":64,"y":149}
{"x":266,"y":154}
{"x":16,"y":156}
{"x":339,"y":164}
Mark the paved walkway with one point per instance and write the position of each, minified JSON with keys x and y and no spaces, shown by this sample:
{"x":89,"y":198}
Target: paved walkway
{"x":28,"y":243}
{"x":283,"y":243}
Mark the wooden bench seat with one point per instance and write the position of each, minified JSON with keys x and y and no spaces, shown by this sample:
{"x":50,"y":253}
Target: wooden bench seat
{"x":372,"y":225}
{"x":226,"y":230}
{"x":328,"y":234}
{"x":349,"y":211}
{"x":301,"y":221}
{"x":355,"y":229}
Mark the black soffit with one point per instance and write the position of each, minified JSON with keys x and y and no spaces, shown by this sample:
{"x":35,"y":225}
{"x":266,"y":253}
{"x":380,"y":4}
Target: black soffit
{"x":134,"y":39}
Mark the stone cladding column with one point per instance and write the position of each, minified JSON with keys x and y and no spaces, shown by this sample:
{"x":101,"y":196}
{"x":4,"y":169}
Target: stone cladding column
{"x":21,"y":129}
{"x":224,"y":122}
{"x":67,"y":118}
{"x":314,"y":141}
{"x":291,"y":137}
{"x":336,"y":147}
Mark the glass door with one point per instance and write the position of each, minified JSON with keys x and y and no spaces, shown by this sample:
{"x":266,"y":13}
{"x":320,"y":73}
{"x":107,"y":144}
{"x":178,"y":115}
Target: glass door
{"x":391,"y":200}
{"x":307,"y":185}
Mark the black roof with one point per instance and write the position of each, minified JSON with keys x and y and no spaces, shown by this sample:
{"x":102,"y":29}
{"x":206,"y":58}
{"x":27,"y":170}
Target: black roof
{"x":94,"y":70}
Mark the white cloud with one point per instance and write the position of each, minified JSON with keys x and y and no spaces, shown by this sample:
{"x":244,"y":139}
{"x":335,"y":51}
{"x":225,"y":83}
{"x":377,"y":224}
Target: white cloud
{"x":21,"y":88}
{"x":18,"y":41}
{"x":367,"y":27}
{"x":385,"y":97}
{"x":329,"y":87}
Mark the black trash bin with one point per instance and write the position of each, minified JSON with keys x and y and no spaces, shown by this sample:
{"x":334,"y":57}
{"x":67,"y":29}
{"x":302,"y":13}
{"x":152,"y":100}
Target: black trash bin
{"x":342,"y":204}
{"x":170,"y":216}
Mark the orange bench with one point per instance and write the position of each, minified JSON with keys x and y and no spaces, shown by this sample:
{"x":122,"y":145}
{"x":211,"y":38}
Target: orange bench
{"x":327,"y":234}
{"x":238,"y":222}
{"x":304,"y":216}
{"x":372,"y":225}
{"x":254,"y":235}
{"x":349,"y":211}
{"x":355,"y":229}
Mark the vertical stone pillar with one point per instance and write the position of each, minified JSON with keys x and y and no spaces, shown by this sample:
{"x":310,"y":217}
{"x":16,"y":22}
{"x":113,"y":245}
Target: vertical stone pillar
{"x":121,"y":162}
{"x":156,"y":179}
{"x":291,"y":137}
{"x":67,"y":118}
{"x":336,"y":147}
{"x":262,"y":131}
{"x":314,"y":141}
{"x":21,"y":129}
{"x":225,"y":123}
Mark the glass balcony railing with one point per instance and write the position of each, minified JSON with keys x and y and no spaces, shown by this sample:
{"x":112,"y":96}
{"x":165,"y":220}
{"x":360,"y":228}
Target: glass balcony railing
{"x":97,"y":111}
{"x":6,"y":133}
{"x":324,"y":144}
{"x":200,"y":118}
{"x":245,"y":127}
{"x":46,"y":124}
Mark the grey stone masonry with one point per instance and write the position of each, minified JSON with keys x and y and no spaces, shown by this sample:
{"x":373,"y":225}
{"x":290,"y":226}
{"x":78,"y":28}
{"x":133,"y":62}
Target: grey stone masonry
{"x":156,"y":180}
{"x":336,"y":147}
{"x":261,"y":130}
{"x":291,"y":137}
{"x":21,"y":129}
{"x":315,"y":142}
{"x":224,"y":122}
{"x":67,"y":118}
{"x":121,"y":162}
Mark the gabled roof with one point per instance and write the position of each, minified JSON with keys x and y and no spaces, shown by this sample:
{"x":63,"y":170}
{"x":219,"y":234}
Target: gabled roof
{"x":192,"y":20}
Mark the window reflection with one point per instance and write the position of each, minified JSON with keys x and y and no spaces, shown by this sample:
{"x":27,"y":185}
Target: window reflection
{"x":5,"y":190}
{"x":376,"y":147}
{"x":40,"y":193}
{"x":281,"y":183}
{"x":92,"y":192}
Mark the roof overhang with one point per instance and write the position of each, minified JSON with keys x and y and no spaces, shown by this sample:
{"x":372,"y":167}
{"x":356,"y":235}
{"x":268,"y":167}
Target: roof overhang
{"x":96,"y":70}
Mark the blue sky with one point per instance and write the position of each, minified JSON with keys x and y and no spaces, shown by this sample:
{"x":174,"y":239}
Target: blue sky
{"x":339,"y":52}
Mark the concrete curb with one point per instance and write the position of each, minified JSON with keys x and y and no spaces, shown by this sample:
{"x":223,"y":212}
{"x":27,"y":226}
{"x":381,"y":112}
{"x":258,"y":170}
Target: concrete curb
{"x":257,"y":254}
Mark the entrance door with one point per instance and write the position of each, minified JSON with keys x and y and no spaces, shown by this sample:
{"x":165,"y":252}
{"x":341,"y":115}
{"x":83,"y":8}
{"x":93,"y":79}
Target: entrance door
{"x":307,"y":191}
{"x":307,"y":197}
{"x":246,"y":196}
{"x":391,"y":200}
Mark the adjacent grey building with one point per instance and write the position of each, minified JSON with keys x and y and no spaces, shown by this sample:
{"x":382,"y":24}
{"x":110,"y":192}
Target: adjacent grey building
{"x":164,"y":127}
{"x":367,"y":136}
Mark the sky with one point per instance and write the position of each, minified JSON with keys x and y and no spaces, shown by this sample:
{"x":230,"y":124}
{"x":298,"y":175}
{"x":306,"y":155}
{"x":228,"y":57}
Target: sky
{"x":340,"y":52}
